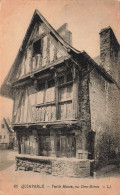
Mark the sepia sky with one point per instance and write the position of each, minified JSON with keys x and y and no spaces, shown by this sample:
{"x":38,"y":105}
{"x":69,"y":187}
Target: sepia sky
{"x":85,"y":19}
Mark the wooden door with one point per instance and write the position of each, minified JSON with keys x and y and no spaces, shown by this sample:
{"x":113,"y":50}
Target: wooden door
{"x":67,"y":146}
{"x":27,"y":146}
{"x":71,"y":146}
{"x":63,"y":146}
{"x":44,"y":145}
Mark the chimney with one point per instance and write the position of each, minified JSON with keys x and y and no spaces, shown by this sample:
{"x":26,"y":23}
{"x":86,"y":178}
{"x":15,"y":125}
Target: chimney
{"x":109,"y":50}
{"x":65,"y":33}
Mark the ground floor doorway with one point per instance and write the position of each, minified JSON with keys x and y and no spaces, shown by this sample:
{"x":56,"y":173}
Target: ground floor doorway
{"x":67,"y":146}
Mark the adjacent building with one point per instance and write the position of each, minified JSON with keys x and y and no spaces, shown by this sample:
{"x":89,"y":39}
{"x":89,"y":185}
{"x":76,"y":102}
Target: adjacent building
{"x":7,"y":135}
{"x":66,"y":104}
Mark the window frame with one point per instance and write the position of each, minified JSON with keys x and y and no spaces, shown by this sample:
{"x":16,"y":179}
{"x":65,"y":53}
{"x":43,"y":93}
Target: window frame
{"x":40,"y":49}
{"x":46,"y":87}
{"x":66,"y":100}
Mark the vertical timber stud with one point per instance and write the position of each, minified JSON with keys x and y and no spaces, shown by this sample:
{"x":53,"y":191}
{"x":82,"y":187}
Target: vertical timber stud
{"x":27,"y":105}
{"x":31,"y":48}
{"x":56,"y":96}
{"x":13,"y":112}
{"x":48,"y":50}
{"x":20,"y":106}
{"x":75,"y":92}
{"x":23,"y":102}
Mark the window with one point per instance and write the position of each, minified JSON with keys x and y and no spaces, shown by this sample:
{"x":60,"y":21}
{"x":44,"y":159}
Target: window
{"x":41,"y":85}
{"x":45,"y":110}
{"x":0,"y":136}
{"x":46,"y":93}
{"x":50,"y":94}
{"x":61,"y":80}
{"x":65,"y":79}
{"x":40,"y":97}
{"x":65,"y":93}
{"x":65,"y":102}
{"x":51,"y":83}
{"x":4,"y":136}
{"x":37,"y":47}
{"x":65,"y":96}
{"x":69,"y":92}
{"x":69,"y":77}
{"x":62,"y":95}
{"x":2,"y":126}
{"x":65,"y":110}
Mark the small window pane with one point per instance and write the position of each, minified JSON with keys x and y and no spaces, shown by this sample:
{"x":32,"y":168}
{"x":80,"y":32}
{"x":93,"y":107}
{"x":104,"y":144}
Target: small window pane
{"x":62,"y":94}
{"x":50,"y":94}
{"x":65,"y":111}
{"x":61,"y":80}
{"x":41,"y":85}
{"x":69,"y":110}
{"x":65,"y":93}
{"x":69,"y":92}
{"x":62,"y":111}
{"x":40,"y":97}
{"x":51,"y":83}
{"x":69,"y":77}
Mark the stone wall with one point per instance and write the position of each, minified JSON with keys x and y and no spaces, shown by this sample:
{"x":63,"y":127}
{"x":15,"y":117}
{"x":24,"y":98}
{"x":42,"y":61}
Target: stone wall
{"x":71,"y":168}
{"x":54,"y":166}
{"x":34,"y":165}
{"x":83,"y":109}
{"x":104,"y":108}
{"x":105,"y":101}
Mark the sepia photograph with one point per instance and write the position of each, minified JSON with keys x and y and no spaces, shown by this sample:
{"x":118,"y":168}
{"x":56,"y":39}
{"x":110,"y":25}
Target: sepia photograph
{"x":59,"y":97}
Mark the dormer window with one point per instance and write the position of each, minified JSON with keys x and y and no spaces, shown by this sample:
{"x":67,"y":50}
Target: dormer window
{"x":37,"y":47}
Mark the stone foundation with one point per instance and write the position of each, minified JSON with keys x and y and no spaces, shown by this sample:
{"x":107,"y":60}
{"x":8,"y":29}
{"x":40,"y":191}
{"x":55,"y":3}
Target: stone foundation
{"x":69,"y":167}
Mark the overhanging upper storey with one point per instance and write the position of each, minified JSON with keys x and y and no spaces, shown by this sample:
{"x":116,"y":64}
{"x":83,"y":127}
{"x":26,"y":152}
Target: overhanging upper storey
{"x":46,"y":98}
{"x":42,"y":48}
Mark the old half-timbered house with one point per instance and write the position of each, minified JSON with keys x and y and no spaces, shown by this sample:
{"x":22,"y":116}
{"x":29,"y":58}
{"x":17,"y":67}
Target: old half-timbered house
{"x":50,"y":85}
